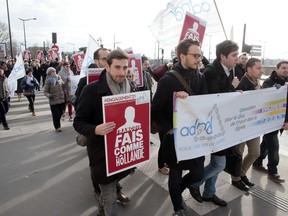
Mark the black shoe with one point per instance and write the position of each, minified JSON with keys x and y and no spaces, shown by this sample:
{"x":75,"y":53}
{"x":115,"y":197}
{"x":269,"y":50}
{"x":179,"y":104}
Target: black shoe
{"x":240,"y":185}
{"x":216,"y":200}
{"x":195,"y":193}
{"x":6,"y":128}
{"x":246,"y":181}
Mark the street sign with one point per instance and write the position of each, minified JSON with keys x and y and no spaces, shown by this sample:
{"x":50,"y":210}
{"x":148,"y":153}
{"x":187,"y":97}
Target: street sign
{"x":255,"y":53}
{"x":55,"y":47}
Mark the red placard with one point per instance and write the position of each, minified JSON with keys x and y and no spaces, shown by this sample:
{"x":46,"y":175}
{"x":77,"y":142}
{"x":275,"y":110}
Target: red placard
{"x":78,"y":59}
{"x":128,"y":144}
{"x":193,"y":27}
{"x":93,"y":74}
{"x":136,"y":64}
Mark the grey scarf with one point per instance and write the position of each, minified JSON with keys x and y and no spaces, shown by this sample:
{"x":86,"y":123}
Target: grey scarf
{"x":116,"y":88}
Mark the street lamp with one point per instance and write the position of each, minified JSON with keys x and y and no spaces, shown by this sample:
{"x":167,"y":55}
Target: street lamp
{"x":24,"y":20}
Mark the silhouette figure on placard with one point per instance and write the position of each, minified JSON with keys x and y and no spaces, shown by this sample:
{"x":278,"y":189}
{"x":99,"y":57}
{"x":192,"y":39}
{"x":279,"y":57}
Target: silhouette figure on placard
{"x":129,"y":124}
{"x":136,"y":71}
{"x":193,"y":33}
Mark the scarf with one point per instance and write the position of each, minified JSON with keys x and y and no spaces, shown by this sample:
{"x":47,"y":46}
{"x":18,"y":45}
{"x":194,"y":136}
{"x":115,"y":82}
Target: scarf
{"x":65,"y":74}
{"x":255,"y":83}
{"x":52,"y":79}
{"x":116,"y":88}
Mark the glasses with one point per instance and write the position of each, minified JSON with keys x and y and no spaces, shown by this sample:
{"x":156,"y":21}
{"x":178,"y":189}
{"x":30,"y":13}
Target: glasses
{"x":128,"y":76}
{"x":103,"y":59}
{"x":195,"y":55}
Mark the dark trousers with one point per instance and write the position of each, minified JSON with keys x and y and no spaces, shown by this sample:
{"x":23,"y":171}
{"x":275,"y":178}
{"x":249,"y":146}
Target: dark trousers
{"x":177,"y":184}
{"x":4,"y":107}
{"x":161,"y":163}
{"x":269,"y":146}
{"x":31,"y":99}
{"x":57,"y":111}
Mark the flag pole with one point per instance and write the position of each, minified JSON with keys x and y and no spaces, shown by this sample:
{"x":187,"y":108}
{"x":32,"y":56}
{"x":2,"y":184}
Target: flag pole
{"x":220,"y":18}
{"x":94,"y":40}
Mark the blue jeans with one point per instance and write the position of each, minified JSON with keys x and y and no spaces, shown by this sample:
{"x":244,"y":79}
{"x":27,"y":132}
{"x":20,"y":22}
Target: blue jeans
{"x":269,"y":146}
{"x":108,"y":199}
{"x":211,"y":171}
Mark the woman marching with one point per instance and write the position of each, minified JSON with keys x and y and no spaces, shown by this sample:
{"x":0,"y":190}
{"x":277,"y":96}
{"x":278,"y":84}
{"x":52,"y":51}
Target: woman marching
{"x":53,"y":89}
{"x":30,"y":85}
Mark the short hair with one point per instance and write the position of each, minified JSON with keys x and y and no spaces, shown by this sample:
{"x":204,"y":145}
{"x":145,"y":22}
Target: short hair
{"x":243,"y":54}
{"x":116,"y":54}
{"x":65,"y":64}
{"x":96,"y":53}
{"x":144,"y":58}
{"x":251,"y":62}
{"x":225,"y":48}
{"x":280,"y":63}
{"x":183,"y":46}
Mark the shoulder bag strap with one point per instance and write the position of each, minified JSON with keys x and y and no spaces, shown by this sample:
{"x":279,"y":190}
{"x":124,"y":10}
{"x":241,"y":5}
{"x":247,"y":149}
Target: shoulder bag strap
{"x":182,"y":81}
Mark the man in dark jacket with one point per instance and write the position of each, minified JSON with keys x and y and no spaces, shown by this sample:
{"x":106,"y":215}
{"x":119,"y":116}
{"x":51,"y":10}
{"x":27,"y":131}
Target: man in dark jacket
{"x":270,"y":142}
{"x":189,"y":54}
{"x":89,"y":122}
{"x":219,"y":78}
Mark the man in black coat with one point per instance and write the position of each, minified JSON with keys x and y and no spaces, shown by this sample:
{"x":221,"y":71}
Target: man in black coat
{"x":89,"y":122}
{"x":270,"y":142}
{"x":219,"y":78}
{"x":189,"y":54}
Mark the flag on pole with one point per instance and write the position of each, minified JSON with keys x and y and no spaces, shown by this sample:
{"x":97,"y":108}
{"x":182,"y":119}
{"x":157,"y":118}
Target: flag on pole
{"x":88,"y":59}
{"x":166,"y":27}
{"x":17,"y":72}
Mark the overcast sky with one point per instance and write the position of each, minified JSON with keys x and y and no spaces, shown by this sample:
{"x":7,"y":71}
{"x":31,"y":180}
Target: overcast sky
{"x":73,"y":21}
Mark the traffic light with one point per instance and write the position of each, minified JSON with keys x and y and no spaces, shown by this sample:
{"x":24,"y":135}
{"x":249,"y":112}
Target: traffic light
{"x":246,"y":48}
{"x":54,"y":38}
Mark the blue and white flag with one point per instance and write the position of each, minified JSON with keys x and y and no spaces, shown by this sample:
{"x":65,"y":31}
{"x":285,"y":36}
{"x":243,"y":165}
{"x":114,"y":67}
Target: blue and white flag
{"x":88,"y":59}
{"x":17,"y":72}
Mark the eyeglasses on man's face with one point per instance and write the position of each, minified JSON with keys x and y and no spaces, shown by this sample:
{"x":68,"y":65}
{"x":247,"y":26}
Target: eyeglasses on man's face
{"x":195,"y":55}
{"x":103,"y":59}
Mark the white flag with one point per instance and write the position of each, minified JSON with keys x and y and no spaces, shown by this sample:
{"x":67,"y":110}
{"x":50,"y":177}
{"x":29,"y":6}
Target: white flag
{"x":88,"y":59}
{"x":17,"y":72}
{"x":167,"y":26}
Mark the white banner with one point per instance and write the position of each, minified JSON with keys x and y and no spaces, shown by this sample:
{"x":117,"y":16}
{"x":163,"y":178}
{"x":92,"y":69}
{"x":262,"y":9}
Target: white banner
{"x":167,"y":26}
{"x":17,"y":72}
{"x":89,"y":56}
{"x":209,"y":123}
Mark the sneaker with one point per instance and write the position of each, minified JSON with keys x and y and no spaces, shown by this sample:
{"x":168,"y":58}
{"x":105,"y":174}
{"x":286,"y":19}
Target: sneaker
{"x":179,"y":213}
{"x":246,"y":181}
{"x":164,"y":170}
{"x":58,"y":130}
{"x":260,"y":168}
{"x":276,"y":178}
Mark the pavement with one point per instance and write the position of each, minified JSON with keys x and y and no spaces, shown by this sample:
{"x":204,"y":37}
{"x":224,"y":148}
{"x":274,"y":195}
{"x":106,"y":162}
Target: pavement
{"x":44,"y":173}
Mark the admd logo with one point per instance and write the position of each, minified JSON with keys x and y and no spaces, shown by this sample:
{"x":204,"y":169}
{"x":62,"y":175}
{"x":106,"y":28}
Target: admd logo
{"x":210,"y":129}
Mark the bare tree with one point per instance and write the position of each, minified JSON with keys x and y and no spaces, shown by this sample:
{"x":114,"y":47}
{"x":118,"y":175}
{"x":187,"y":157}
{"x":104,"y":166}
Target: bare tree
{"x":4,"y":38}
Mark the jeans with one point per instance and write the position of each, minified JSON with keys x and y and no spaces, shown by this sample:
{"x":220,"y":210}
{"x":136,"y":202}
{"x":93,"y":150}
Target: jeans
{"x":211,"y":171}
{"x":177,"y":184}
{"x":31,"y":99}
{"x":108,"y":199}
{"x":269,"y":146}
